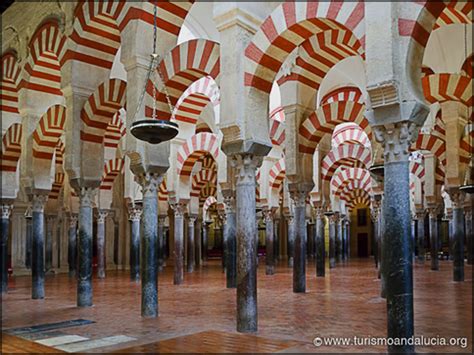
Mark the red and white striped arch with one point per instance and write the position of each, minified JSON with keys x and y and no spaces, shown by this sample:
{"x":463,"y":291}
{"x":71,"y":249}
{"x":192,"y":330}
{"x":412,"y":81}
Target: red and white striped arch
{"x":195,"y":148}
{"x":277,"y":174}
{"x":356,"y":198}
{"x":59,"y":155}
{"x":277,"y":126}
{"x":201,"y":178}
{"x":346,"y":93}
{"x":43,"y":67}
{"x":448,"y":87}
{"x":115,"y":131}
{"x":451,"y":15}
{"x":208,"y":190}
{"x":163,"y":191}
{"x":417,"y":170}
{"x":318,"y":54}
{"x":183,"y":65}
{"x":100,"y":109}
{"x":208,"y":203}
{"x":421,"y":19}
{"x":48,"y":132}
{"x":468,"y":66}
{"x":196,"y":97}
{"x":349,"y":133}
{"x":9,"y":84}
{"x":344,"y":176}
{"x":349,"y":155}
{"x":467,"y":143}
{"x":354,"y":185}
{"x":325,"y":119}
{"x":289,"y":25}
{"x":57,"y":185}
{"x":112,"y":169}
{"x":11,"y":148}
{"x":433,"y":142}
{"x":96,"y":32}
{"x":202,"y":127}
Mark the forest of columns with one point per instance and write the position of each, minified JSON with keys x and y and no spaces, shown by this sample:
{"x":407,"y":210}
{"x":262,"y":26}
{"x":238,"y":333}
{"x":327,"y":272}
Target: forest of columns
{"x":355,"y":125}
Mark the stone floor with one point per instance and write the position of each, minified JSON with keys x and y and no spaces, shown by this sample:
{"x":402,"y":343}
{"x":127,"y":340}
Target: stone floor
{"x":344,"y":304}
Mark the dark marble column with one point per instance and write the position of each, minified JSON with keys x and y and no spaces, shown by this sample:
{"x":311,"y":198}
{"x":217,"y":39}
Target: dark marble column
{"x":6,"y":211}
{"x":84,"y":280}
{"x":310,"y":240}
{"x":374,"y":212}
{"x":205,"y":235}
{"x":37,"y":261}
{"x":450,"y":235}
{"x":276,"y":240}
{"x":433,"y":212}
{"x":420,"y":218}
{"x":150,"y":183}
{"x":332,"y":240}
{"x":346,"y":240}
{"x":179,"y":209}
{"x":457,"y":198}
{"x":397,"y":254}
{"x":320,"y":243}
{"x":299,"y":267}
{"x":230,"y":232}
{"x":49,"y":243}
{"x":198,"y":242}
{"x":291,"y":240}
{"x":190,"y":244}
{"x":101,"y":216}
{"x":29,"y":237}
{"x":469,"y":234}
{"x":339,"y":239}
{"x":134,"y":216}
{"x":72,"y":244}
{"x":245,"y":170}
{"x":269,"y":248}
{"x":161,"y":243}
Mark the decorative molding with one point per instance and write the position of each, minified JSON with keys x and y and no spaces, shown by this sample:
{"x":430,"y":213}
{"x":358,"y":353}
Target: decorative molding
{"x":134,"y":213}
{"x":101,"y":216}
{"x":150,"y":183}
{"x":87,"y":196}
{"x":245,"y":166}
{"x":38,"y":203}
{"x":396,"y":139}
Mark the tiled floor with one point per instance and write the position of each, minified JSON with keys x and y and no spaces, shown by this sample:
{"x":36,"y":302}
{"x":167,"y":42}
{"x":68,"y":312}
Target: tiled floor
{"x":344,"y":304}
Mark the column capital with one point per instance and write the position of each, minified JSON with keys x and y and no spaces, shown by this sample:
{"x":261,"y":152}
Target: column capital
{"x":229,"y":202}
{"x":396,"y":139}
{"x":73,"y":218}
{"x":433,"y":211}
{"x":290,"y":218}
{"x":267,"y":214}
{"x":38,"y":202}
{"x":245,"y":166}
{"x":420,"y":214}
{"x":179,"y":208}
{"x":161,"y":219}
{"x":50,"y":218}
{"x":191,"y":219}
{"x":6,"y":211}
{"x":299,"y":197}
{"x":150,"y":183}
{"x":333,"y":218}
{"x":456,"y":196}
{"x":468,"y":214}
{"x":87,"y":196}
{"x":102,"y":215}
{"x":319,"y":212}
{"x":134,"y":213}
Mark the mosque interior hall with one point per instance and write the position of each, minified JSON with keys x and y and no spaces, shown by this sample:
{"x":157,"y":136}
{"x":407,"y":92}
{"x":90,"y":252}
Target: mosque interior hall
{"x":236,"y":177}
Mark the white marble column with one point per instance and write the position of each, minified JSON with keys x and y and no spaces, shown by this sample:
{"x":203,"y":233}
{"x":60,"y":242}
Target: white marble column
{"x":6,"y":211}
{"x":101,"y":217}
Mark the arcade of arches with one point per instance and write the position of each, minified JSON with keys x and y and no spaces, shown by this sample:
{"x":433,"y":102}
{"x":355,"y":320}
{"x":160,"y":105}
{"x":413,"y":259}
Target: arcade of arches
{"x":324,"y":149}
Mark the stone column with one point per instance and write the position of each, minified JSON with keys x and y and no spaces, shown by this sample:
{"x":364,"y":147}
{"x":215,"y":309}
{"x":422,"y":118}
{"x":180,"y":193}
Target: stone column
{"x":310,"y":241}
{"x":269,"y":248}
{"x":332,"y":240}
{"x":457,"y":198}
{"x":291,"y":239}
{"x":134,"y":216}
{"x":49,"y":243}
{"x":397,"y":268}
{"x":179,"y":210}
{"x":346,"y":240}
{"x":37,"y":261}
{"x":375,"y":219}
{"x":72,"y":245}
{"x":161,"y":243}
{"x":433,"y":212}
{"x":84,"y":280}
{"x":149,"y":266}
{"x":276,"y":239}
{"x":101,"y":216}
{"x":420,"y":217}
{"x":29,"y":237}
{"x":6,"y":211}
{"x":205,"y":235}
{"x":469,"y":234}
{"x":245,"y":166}
{"x":339,"y":239}
{"x":198,"y":241}
{"x":299,"y":267}
{"x":190,"y":246}
{"x":449,"y":216}
{"x":320,"y":244}
{"x":230,"y":232}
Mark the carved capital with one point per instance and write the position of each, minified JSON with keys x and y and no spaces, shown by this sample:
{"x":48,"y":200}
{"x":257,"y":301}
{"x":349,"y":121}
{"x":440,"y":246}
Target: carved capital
{"x":245,"y":166}
{"x":150,"y":183}
{"x":396,"y":139}
{"x":50,"y":218}
{"x":6,"y":211}
{"x":229,"y":202}
{"x":456,"y":197}
{"x":299,"y":197}
{"x":468,"y":215}
{"x":38,"y":203}
{"x":420,"y":215}
{"x":191,"y":220}
{"x":179,"y":209}
{"x":101,"y":216}
{"x":333,"y":218}
{"x":433,"y":211}
{"x":134,"y":213}
{"x":267,"y":215}
{"x":290,"y":219}
{"x":161,"y":220}
{"x":319,"y":212}
{"x":28,"y":213}
{"x":87,"y":196}
{"x":73,"y":218}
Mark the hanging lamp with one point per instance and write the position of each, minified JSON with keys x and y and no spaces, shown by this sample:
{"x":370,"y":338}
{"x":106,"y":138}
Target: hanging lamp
{"x":154,"y":130}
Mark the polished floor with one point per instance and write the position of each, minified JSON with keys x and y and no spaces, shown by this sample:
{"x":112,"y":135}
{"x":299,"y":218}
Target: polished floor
{"x":199,"y":316}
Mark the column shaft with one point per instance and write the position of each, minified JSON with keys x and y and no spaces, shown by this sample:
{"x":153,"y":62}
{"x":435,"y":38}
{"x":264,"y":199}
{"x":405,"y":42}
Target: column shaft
{"x":179,"y":244}
{"x":276,"y":240}
{"x":37,"y":262}
{"x":190,"y":246}
{"x":72,"y":245}
{"x":101,"y":244}
{"x":161,"y":243}
{"x":332,"y":242}
{"x":434,"y":239}
{"x":299,"y":268}
{"x":339,"y":240}
{"x":205,"y":234}
{"x":29,"y":238}
{"x":134,"y":218}
{"x":269,"y":248}
{"x":458,"y":241}
{"x":198,"y":242}
{"x":6,"y":210}
{"x":49,"y":243}
{"x":469,"y":236}
{"x":291,"y":240}
{"x":320,"y":244}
